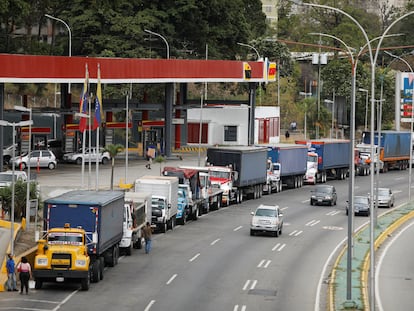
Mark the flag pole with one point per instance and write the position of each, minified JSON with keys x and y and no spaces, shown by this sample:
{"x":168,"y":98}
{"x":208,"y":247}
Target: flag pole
{"x":89,"y":144}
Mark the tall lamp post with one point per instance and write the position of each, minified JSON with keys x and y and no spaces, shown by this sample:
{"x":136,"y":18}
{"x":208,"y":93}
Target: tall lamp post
{"x":29,"y":110}
{"x":253,"y":48}
{"x":165,"y":40}
{"x":366,"y":107}
{"x":328,"y":101}
{"x":69,"y":33}
{"x":13,"y":125}
{"x":306,"y":111}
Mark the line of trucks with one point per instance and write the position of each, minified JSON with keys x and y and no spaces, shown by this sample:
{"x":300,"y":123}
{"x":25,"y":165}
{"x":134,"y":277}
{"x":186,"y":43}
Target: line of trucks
{"x":84,"y":231}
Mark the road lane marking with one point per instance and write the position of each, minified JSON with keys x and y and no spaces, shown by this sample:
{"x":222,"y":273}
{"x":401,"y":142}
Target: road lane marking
{"x":295,"y":233}
{"x":149,"y":305}
{"x":214,"y":242}
{"x":65,"y":300}
{"x":195,"y":257}
{"x":283,"y":208}
{"x":236,"y":308}
{"x":264,"y":264}
{"x":252,"y":285}
{"x":305,"y":201}
{"x":237,"y":228}
{"x":278,"y":247}
{"x":171,"y":279}
{"x":312,"y":223}
{"x":332,"y":213}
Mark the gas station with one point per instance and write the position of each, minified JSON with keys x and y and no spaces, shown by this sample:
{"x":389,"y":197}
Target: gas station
{"x":167,"y":132}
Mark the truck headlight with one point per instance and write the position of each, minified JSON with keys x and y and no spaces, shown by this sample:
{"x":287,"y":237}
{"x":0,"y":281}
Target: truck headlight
{"x":80,"y":262}
{"x":41,"y":261}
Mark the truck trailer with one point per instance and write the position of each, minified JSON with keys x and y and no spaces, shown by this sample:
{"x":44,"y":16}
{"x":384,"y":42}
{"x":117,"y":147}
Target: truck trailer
{"x":82,"y":232}
{"x":239,"y":171}
{"x":288,"y":166}
{"x":326,"y":158}
{"x":393,"y":148}
{"x":164,"y":199}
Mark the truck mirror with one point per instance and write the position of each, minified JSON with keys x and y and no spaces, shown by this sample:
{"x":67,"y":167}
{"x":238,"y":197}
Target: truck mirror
{"x":95,"y":238}
{"x":236,"y":175}
{"x":252,"y":213}
{"x":169,"y":206}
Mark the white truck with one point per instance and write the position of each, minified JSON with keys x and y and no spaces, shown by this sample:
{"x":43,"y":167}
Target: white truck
{"x":137,"y":212}
{"x":164,"y":199}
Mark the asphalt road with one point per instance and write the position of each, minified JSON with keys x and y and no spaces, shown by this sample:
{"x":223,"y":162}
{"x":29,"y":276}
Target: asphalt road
{"x":214,"y":264}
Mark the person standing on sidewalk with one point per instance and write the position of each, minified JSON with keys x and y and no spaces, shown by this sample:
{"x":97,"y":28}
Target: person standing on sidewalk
{"x":25,"y":274}
{"x":147,"y":234}
{"x":11,"y":274}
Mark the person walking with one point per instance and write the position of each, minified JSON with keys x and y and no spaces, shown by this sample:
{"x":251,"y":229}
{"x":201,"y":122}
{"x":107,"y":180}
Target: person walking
{"x":11,"y":274}
{"x":147,"y":234}
{"x":25,"y":274}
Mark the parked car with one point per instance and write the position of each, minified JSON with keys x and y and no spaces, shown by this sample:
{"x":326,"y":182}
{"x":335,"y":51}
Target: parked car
{"x":90,"y":155}
{"x":361,"y":206}
{"x":6,"y":178}
{"x":8,"y":153}
{"x":37,"y":158}
{"x":267,"y":218}
{"x":385,"y":197}
{"x":323,"y":194}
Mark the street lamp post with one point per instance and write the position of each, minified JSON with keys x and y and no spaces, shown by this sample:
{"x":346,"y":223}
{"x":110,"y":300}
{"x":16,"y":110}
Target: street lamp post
{"x":328,"y":101}
{"x":306,"y":110}
{"x":253,"y":48}
{"x":29,"y":110}
{"x":69,"y":33}
{"x":165,"y":40}
{"x":13,"y":125}
{"x":366,"y":107}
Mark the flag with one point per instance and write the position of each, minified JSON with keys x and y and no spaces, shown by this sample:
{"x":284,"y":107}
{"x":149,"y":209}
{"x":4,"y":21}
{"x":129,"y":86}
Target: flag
{"x":98,"y":103}
{"x":83,"y":105}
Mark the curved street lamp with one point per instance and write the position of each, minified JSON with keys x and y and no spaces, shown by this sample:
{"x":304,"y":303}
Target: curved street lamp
{"x":253,"y":48}
{"x":165,"y":40}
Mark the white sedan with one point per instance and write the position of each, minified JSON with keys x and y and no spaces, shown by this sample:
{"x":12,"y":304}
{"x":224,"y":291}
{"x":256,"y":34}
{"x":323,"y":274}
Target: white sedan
{"x":89,"y":155}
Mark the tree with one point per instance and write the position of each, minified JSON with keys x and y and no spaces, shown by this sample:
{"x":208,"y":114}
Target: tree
{"x":113,"y":150}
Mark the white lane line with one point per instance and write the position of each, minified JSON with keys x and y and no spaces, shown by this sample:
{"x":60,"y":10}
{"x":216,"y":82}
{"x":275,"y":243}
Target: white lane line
{"x":261,"y":263}
{"x":399,"y":178}
{"x":278,"y":247}
{"x":283,"y":208}
{"x":246,"y":284}
{"x":312,"y":223}
{"x":65,"y":300}
{"x":332,"y":213}
{"x":267,"y":264}
{"x":171,"y":279}
{"x":252,"y":286}
{"x":298,"y":233}
{"x":236,"y":308}
{"x":237,"y":228}
{"x":214,"y":242}
{"x":195,"y":257}
{"x":305,"y":201}
{"x":397,"y":191}
{"x":149,"y":305}
{"x":295,"y":233}
{"x":264,"y":263}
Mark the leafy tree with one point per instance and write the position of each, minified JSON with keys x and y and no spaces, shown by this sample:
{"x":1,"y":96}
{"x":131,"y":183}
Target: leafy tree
{"x":113,"y":150}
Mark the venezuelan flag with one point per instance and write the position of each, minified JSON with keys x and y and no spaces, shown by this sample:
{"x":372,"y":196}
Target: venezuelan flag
{"x":98,"y":103}
{"x":83,"y":105}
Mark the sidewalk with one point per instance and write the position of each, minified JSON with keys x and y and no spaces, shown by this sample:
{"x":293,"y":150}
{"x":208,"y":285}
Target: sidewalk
{"x":387,"y":224}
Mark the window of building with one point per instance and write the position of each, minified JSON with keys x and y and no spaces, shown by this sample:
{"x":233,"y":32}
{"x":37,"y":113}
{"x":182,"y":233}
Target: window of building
{"x":230,"y":133}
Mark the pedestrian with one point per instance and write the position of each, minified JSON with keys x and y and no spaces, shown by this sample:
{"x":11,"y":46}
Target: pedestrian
{"x":11,"y":274}
{"x":147,"y":234}
{"x":25,"y":274}
{"x":287,"y":135}
{"x":150,"y":152}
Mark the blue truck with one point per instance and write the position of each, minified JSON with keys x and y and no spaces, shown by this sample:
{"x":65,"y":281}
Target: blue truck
{"x":326,"y":158}
{"x":82,"y":232}
{"x":393,"y":148}
{"x":287,"y":165}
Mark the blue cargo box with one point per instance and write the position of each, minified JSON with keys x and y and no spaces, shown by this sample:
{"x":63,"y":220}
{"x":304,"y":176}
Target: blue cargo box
{"x":95,"y":211}
{"x":291,"y":157}
{"x":395,"y":143}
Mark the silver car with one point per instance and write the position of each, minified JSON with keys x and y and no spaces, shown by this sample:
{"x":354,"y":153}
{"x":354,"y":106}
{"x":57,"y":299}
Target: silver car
{"x":90,"y":156}
{"x":267,"y":218}
{"x":385,"y":197}
{"x":37,"y":158}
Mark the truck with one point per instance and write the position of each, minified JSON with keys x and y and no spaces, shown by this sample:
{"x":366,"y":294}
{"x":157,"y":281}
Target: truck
{"x":326,"y":158}
{"x":82,"y":230}
{"x":240,"y":171}
{"x":212,"y":194}
{"x":164,"y":199}
{"x":287,"y":164}
{"x":137,"y":212}
{"x":393,"y":148}
{"x":192,"y":202}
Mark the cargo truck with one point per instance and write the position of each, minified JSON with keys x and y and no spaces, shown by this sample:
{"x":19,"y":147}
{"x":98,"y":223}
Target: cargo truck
{"x":82,"y":231}
{"x":393,"y":147}
{"x":137,"y":212}
{"x":164,"y":199}
{"x":239,"y":171}
{"x":326,"y":158}
{"x":190,"y":186}
{"x":288,"y":164}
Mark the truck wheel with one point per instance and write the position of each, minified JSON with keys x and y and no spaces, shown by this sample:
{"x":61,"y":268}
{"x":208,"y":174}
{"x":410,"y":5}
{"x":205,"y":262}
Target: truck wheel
{"x":276,"y":233}
{"x":172,"y":223}
{"x":38,"y":284}
{"x":195,"y":214}
{"x":101,"y":267}
{"x":163,"y":227}
{"x":240,"y":196}
{"x":252,"y":233}
{"x":128,"y":250}
{"x":85,"y":283}
{"x":112,"y":260}
{"x":116,"y":254}
{"x":95,"y":277}
{"x":78,"y":161}
{"x":218,"y":203}
{"x":138,"y":244}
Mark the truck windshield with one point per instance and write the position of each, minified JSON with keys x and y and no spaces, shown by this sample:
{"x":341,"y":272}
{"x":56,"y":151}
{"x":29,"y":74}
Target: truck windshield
{"x":65,"y":238}
{"x":218,"y":174}
{"x":312,"y":158}
{"x":158,"y":203}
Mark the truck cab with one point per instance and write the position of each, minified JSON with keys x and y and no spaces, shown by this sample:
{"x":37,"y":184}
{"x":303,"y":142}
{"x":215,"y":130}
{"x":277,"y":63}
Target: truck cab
{"x":311,"y":168}
{"x":273,"y":182}
{"x":224,"y":177}
{"x":184,"y":202}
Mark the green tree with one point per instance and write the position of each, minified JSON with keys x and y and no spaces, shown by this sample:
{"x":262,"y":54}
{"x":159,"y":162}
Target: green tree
{"x":20,"y":193}
{"x":113,"y":150}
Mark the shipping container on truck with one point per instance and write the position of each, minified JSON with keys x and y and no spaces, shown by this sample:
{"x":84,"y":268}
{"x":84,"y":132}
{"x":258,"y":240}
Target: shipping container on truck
{"x":326,"y":158}
{"x":394,"y":148}
{"x":240,"y":171}
{"x":289,"y":161}
{"x":82,"y":232}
